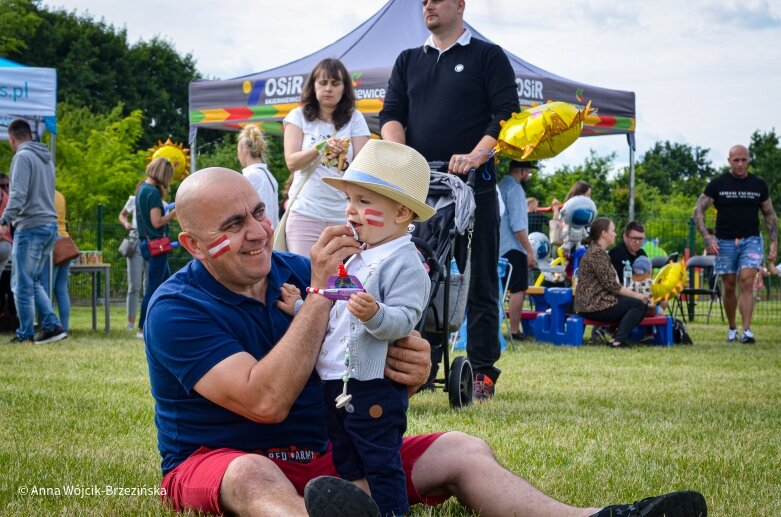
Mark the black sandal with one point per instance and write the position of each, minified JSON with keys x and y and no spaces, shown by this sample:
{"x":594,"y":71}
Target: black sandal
{"x":618,"y":343}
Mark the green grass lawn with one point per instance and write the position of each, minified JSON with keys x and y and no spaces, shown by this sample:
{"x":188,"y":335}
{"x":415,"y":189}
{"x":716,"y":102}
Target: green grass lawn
{"x":588,"y":425}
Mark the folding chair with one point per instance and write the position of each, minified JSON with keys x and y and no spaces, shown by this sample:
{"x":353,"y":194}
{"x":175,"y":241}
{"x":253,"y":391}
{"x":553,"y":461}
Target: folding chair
{"x":504,"y":269}
{"x":660,"y":262}
{"x":458,"y":338}
{"x":710,"y":286}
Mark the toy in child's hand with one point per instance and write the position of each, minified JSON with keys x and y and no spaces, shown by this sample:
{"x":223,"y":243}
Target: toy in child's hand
{"x":340,"y":287}
{"x":331,"y":158}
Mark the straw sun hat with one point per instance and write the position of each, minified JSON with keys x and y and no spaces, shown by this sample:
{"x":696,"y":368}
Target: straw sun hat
{"x":393,"y":170}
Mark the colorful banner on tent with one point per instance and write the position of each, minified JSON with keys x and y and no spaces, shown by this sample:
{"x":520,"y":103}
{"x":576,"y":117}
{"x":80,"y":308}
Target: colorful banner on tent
{"x":267,"y":100}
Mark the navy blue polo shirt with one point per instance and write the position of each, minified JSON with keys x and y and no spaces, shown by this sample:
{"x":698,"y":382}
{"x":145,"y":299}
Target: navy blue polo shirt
{"x":193,"y":323}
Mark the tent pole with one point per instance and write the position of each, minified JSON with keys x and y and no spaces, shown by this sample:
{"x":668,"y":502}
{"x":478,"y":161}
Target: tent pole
{"x":193,"y":151}
{"x":630,"y":139}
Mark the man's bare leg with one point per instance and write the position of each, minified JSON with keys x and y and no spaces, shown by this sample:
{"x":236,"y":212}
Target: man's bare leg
{"x":465,"y":467}
{"x":729,"y":298}
{"x":515,"y":309}
{"x":253,"y":485}
{"x":746,"y":300}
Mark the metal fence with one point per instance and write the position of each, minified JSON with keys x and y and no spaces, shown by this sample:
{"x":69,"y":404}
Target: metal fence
{"x":668,"y":234}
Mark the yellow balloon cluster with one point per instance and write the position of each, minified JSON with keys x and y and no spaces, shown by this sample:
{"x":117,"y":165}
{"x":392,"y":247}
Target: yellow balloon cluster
{"x":541,"y":132}
{"x":669,"y":282}
{"x":174,"y":153}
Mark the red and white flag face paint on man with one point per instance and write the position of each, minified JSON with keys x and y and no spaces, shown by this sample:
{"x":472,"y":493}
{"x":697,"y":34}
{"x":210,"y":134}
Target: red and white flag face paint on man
{"x":220,"y":246}
{"x":374,"y":218}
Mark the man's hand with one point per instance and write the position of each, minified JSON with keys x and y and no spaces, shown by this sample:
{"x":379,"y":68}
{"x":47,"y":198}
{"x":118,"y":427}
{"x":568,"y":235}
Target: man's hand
{"x":363,"y":306}
{"x":712,"y":246}
{"x":334,"y":245}
{"x":532,"y":260}
{"x":409,"y":361}
{"x":463,"y":163}
{"x":772,"y":253}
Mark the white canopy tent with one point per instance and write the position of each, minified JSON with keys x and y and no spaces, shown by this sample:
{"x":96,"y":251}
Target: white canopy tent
{"x":29,"y":93}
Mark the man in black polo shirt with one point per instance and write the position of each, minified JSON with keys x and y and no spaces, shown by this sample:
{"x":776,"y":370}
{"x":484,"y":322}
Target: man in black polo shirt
{"x":630,"y":248}
{"x":446,"y":99}
{"x":737,"y":195}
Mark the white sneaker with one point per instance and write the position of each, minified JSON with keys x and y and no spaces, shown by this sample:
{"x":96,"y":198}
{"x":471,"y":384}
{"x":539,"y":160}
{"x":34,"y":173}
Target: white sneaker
{"x":140,"y":335}
{"x":732,"y":335}
{"x":748,"y":337}
{"x":131,"y":326}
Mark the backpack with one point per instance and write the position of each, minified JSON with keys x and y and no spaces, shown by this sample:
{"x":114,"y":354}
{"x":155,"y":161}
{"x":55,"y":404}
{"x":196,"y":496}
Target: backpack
{"x":680,"y":335}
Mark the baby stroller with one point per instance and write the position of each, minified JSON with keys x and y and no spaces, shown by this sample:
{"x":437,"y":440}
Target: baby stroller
{"x":435,"y":240}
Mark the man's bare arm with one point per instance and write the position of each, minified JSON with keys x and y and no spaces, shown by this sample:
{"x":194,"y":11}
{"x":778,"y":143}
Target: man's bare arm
{"x":394,"y":132}
{"x":703,"y":203}
{"x":771,"y":224}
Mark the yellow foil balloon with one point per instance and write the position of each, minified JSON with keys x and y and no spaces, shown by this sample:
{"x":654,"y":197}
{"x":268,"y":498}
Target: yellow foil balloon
{"x":669,"y":282}
{"x":541,"y":132}
{"x":174,"y":153}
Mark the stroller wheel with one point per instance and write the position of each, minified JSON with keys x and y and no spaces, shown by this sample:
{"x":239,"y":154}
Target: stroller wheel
{"x":459,"y":384}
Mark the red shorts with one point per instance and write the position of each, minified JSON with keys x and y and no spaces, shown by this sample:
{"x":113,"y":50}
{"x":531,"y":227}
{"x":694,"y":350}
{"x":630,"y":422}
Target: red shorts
{"x":195,"y":483}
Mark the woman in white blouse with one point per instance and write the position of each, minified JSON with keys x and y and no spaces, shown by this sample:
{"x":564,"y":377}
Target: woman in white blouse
{"x":327,"y":117}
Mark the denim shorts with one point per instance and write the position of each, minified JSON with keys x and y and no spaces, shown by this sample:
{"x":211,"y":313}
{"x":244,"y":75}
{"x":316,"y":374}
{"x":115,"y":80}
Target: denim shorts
{"x":737,"y":254}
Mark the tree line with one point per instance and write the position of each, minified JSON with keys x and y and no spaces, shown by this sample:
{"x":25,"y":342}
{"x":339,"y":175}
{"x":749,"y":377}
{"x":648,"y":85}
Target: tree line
{"x":119,"y":99}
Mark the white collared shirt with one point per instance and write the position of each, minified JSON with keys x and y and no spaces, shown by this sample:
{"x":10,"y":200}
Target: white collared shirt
{"x":463,"y":40}
{"x":330,"y":364}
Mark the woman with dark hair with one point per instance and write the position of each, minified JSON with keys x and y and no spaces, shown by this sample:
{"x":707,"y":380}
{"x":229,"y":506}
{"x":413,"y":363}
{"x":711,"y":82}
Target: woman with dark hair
{"x":324,"y":129}
{"x":152,"y":224}
{"x":579,"y":188}
{"x":599,"y":295}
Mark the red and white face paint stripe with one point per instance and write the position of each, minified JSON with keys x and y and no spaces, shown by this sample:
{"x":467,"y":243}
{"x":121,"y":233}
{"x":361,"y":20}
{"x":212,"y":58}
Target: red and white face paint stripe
{"x":219,"y":247}
{"x":374,"y":218}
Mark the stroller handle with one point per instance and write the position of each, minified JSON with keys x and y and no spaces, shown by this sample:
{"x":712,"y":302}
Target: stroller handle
{"x":440,"y":166}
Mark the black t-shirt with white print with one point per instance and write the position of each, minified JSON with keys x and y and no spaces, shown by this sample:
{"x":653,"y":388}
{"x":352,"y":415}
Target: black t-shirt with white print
{"x":737,"y":203}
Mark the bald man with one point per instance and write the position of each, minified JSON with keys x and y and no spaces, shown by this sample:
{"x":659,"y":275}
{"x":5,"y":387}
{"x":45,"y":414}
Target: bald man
{"x":737,"y":195}
{"x":238,"y":406}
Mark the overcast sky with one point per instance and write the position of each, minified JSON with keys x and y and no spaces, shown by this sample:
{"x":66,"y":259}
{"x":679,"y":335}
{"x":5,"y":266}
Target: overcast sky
{"x":705,"y":72}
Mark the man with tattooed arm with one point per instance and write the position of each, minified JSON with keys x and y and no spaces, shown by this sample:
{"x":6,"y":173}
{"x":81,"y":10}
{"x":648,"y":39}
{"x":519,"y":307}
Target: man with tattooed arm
{"x":738,"y":245}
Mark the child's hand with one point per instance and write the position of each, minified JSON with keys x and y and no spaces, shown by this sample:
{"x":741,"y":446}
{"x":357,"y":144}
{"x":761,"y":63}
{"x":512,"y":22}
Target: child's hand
{"x":287,"y":299}
{"x":363,"y":306}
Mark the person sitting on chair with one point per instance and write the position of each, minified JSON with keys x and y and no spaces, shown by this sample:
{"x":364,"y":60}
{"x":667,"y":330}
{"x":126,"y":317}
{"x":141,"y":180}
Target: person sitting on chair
{"x":599,"y":295}
{"x":630,"y":248}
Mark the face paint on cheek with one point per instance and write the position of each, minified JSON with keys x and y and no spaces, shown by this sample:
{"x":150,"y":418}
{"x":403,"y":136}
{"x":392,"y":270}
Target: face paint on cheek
{"x":374,"y":218}
{"x":220,"y":246}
